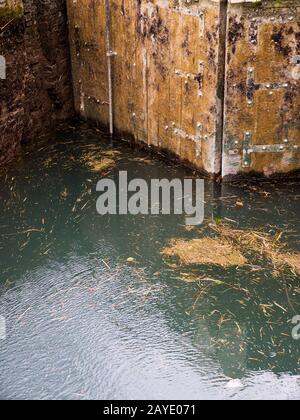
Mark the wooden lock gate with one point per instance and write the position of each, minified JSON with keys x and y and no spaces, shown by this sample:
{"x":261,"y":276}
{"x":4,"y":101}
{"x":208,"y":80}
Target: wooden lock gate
{"x":215,"y":82}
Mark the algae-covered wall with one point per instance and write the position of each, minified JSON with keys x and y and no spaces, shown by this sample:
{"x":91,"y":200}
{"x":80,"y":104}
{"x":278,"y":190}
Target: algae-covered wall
{"x":35,"y":90}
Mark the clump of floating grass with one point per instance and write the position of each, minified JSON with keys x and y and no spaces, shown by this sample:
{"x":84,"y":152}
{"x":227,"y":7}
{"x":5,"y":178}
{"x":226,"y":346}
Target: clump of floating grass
{"x":99,"y":161}
{"x":206,"y":251}
{"x":288,"y":261}
{"x":257,"y":241}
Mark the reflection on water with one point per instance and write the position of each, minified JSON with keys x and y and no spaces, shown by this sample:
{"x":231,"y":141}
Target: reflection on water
{"x":81,"y":322}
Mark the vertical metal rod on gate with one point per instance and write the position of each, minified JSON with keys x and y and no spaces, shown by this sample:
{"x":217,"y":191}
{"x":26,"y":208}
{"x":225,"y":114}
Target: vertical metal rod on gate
{"x":109,"y":54}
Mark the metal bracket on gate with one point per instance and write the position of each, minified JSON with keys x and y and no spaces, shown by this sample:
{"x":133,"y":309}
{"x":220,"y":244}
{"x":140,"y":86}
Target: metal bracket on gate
{"x":249,"y":148}
{"x":184,"y":135}
{"x":111,"y":53}
{"x":188,"y":11}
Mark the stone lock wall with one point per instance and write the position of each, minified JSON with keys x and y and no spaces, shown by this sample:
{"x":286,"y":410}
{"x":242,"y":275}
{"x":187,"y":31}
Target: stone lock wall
{"x":215,"y":82}
{"x":37,"y":90}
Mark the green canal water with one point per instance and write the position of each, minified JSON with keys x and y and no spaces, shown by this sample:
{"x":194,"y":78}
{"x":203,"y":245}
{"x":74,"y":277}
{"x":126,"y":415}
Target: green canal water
{"x":84,"y":323}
